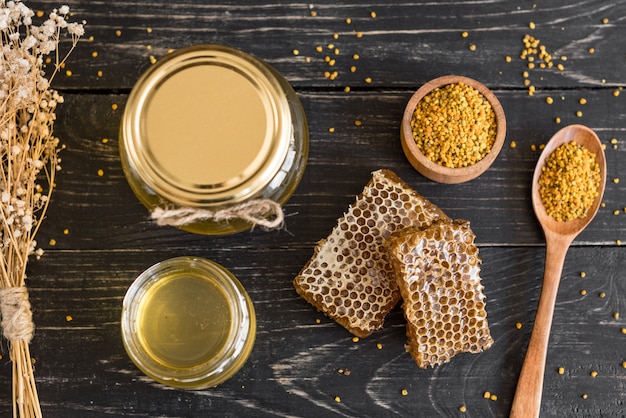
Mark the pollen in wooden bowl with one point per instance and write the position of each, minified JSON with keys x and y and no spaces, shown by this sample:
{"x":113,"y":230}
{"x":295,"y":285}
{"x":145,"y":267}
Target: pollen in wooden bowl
{"x":453,"y":128}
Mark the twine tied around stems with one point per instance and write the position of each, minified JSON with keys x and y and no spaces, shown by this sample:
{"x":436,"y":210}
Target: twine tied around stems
{"x":262,"y":212}
{"x":17,"y":318}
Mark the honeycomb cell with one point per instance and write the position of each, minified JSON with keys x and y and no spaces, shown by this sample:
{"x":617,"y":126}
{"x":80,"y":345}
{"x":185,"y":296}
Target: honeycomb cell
{"x":355,"y":250}
{"x":449,"y":289}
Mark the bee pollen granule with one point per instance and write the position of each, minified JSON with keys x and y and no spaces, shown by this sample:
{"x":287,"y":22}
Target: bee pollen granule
{"x":569,"y":182}
{"x":454,"y":125}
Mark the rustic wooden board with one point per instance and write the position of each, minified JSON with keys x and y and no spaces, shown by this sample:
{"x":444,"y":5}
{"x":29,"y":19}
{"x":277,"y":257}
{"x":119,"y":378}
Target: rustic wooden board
{"x":101,"y":212}
{"x":294,"y":368}
{"x":98,"y":237}
{"x":405,"y":45}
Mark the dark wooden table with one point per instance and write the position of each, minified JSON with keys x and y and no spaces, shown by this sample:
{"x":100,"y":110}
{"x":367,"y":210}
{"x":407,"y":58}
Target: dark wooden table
{"x":98,"y":237}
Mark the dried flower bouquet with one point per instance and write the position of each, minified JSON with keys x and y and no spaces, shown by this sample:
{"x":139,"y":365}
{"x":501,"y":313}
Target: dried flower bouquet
{"x":29,"y":160}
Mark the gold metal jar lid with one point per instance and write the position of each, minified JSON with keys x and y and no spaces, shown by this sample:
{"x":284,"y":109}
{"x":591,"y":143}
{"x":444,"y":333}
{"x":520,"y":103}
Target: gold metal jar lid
{"x":206,"y":126}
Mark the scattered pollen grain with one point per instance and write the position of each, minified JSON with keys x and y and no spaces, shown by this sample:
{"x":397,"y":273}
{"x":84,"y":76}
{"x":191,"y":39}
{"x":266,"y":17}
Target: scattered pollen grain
{"x":467,"y":107}
{"x":569,"y":182}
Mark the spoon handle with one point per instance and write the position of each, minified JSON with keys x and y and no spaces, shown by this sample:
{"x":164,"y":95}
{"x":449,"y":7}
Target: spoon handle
{"x":527,"y":400}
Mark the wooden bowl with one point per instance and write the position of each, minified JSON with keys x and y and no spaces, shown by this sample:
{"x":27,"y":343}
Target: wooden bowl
{"x":437,"y":172}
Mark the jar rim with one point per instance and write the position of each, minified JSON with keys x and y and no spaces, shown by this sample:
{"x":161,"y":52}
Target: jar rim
{"x":228,"y":359}
{"x":207,"y":126}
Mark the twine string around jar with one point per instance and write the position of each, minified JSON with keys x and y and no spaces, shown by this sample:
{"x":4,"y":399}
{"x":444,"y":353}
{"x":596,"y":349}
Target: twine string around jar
{"x":262,"y":212}
{"x":17,"y":318}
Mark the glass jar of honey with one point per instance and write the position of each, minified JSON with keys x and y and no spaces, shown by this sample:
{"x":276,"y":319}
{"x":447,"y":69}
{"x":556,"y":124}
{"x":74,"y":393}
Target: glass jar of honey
{"x":187,"y":322}
{"x":208,"y":128}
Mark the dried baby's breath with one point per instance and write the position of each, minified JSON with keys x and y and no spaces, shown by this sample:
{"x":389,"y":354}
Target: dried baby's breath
{"x":29,"y":159}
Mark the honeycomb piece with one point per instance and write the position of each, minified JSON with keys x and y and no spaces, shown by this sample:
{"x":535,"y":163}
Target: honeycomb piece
{"x":437,"y":270}
{"x":349,"y":277}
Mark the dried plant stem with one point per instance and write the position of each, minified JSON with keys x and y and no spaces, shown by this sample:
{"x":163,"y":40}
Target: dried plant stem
{"x":25,"y":396}
{"x":28,"y":156}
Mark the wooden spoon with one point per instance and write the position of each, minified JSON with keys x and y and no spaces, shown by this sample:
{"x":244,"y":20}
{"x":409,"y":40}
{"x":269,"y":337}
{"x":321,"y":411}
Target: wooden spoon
{"x":559,"y":236}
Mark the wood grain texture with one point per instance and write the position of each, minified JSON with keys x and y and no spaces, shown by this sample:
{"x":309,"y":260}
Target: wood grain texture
{"x":98,"y":237}
{"x":294,"y":368}
{"x":405,"y":45}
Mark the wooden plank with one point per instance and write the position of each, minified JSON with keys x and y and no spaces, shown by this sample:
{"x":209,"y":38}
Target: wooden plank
{"x":100,"y":211}
{"x":405,"y":45}
{"x":294,"y":369}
